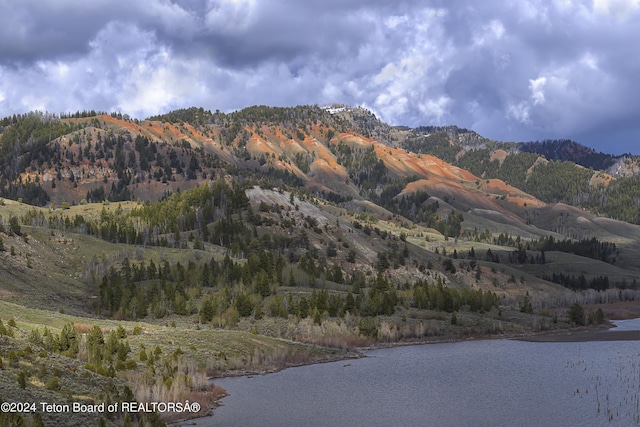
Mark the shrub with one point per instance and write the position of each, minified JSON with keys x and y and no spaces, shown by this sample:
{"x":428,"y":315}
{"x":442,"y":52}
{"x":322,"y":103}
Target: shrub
{"x":22,"y":378}
{"x":367,"y":327}
{"x":53,"y":384}
{"x":5,"y":331}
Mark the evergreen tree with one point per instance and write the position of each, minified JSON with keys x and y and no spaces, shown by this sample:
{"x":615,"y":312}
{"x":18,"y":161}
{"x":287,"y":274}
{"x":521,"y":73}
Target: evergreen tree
{"x":576,"y":314}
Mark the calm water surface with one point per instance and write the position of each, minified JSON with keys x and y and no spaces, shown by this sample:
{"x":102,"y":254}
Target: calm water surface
{"x":474,"y":383}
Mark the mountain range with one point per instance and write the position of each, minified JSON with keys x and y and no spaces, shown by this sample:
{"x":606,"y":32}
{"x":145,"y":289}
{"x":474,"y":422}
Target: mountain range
{"x":340,"y":156}
{"x":322,"y":217}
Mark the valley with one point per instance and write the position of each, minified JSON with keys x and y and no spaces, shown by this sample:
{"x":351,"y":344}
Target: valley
{"x":141,"y":257}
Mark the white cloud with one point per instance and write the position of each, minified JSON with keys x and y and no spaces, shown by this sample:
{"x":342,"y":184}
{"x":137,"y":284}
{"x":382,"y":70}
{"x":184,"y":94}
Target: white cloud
{"x":232,"y":16}
{"x":395,"y":21}
{"x":590,"y":61}
{"x":519,"y":69}
{"x":519,"y":112}
{"x":489,"y":33}
{"x":537,"y":89}
{"x":620,"y":9}
{"x":435,"y":110}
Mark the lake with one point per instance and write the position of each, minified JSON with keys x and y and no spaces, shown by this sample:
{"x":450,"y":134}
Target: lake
{"x":471,"y":383}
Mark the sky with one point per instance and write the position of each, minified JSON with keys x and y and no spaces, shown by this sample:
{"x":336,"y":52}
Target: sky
{"x":518,"y":70}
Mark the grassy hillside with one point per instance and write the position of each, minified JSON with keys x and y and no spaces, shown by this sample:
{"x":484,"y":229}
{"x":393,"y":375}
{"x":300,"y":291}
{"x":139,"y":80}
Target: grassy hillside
{"x":61,"y":376}
{"x":137,"y":258}
{"x":47,"y":309}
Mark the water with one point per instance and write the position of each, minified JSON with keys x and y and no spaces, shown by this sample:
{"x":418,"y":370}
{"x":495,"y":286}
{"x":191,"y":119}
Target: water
{"x":626,"y":325}
{"x":473,"y":383}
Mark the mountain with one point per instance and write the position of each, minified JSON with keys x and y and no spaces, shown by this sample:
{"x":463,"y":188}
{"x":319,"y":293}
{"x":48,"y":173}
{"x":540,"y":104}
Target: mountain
{"x":452,"y":141}
{"x":199,"y":241}
{"x":567,"y":150}
{"x":553,"y":171}
{"x":443,"y":178}
{"x":341,"y":155}
{"x":103,"y":157}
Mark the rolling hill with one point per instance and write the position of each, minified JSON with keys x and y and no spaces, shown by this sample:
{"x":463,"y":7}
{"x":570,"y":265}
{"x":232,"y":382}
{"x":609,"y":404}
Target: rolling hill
{"x":297,"y":234}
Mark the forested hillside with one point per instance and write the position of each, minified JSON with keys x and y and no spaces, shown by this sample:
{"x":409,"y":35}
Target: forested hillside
{"x":552,"y":170}
{"x":201,"y":243}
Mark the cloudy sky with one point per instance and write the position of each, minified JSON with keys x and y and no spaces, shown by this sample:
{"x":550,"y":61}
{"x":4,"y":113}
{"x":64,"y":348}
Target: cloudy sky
{"x":513,"y":70}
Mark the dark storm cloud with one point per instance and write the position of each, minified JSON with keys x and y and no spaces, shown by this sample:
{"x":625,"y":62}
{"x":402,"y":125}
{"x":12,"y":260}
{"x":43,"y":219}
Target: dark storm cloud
{"x":30,"y":30}
{"x":33,"y":30}
{"x":246,"y":33}
{"x":563,"y":69}
{"x":514,"y":70}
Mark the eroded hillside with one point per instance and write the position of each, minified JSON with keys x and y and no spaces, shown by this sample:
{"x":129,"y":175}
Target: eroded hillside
{"x":199,"y":243}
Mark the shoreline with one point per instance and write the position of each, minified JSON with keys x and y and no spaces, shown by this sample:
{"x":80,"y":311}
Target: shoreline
{"x":586,"y":335}
{"x":254,"y":372}
{"x":580,"y":334}
{"x":324,"y":359}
